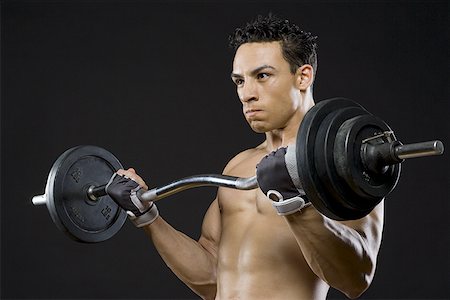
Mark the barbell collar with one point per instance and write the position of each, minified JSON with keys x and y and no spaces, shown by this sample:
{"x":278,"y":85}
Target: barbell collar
{"x":377,"y":157}
{"x":95,"y":192}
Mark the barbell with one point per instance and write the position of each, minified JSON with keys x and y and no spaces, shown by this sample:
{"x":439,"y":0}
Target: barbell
{"x":348,"y":160}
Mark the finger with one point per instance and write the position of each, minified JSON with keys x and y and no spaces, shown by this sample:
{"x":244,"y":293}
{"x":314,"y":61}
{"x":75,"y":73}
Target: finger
{"x":140,"y":181}
{"x":127,"y":173}
{"x":131,"y":173}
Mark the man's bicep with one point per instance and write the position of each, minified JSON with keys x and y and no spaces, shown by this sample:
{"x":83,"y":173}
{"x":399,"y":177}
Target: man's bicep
{"x":211,"y":229}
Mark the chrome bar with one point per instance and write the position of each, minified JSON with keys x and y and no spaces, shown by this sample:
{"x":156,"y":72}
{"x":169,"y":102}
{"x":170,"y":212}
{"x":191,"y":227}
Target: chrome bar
{"x":419,"y":149}
{"x":198,"y":181}
{"x":39,"y":200}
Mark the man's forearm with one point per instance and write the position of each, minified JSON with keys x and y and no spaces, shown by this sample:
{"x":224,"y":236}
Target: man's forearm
{"x":187,"y":258}
{"x":338,"y":254}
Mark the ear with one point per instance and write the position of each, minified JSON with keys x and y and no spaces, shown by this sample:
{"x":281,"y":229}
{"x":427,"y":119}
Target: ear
{"x":305,"y":77}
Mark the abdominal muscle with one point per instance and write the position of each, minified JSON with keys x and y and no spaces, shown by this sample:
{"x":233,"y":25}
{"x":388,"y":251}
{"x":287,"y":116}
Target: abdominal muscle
{"x":258,"y":256}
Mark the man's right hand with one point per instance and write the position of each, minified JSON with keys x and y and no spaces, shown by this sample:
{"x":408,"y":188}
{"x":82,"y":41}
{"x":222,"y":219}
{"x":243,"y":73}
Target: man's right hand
{"x":278,"y":178}
{"x":122,"y":188}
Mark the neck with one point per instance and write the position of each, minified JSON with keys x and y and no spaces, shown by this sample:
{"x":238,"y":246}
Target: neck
{"x":282,"y":137}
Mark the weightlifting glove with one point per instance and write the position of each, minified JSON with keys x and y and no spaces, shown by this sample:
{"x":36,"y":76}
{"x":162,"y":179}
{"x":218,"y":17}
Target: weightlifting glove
{"x":123,"y":191}
{"x":278,"y":178}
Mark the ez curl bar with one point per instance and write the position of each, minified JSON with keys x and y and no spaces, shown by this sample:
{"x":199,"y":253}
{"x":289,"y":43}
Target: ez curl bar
{"x":348,"y":160}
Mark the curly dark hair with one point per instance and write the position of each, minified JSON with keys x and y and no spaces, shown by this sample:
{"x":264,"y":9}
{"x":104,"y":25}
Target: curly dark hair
{"x":298,"y":47}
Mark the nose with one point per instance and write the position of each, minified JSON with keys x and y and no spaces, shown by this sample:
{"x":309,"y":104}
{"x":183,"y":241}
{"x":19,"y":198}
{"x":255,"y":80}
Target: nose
{"x":248,"y":92}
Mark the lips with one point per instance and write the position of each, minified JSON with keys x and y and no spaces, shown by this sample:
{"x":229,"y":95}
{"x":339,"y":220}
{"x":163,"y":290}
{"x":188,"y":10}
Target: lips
{"x":252,"y":111}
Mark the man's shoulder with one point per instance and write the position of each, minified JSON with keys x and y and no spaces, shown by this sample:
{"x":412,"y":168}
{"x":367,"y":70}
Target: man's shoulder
{"x":248,"y":156}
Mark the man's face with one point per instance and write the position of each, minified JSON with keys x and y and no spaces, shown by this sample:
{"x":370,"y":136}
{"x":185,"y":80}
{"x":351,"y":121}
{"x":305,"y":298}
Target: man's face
{"x":265,"y":86}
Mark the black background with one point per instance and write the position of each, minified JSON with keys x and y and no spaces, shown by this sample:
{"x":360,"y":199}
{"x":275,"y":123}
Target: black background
{"x":149,"y":81}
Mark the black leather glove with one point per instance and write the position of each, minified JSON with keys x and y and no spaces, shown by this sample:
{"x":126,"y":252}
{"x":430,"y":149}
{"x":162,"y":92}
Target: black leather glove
{"x":123,"y":191}
{"x":278,"y":178}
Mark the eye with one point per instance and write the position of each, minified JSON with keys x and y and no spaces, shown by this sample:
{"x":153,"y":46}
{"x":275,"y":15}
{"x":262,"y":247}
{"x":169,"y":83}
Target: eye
{"x":262,"y":75}
{"x":238,"y":81}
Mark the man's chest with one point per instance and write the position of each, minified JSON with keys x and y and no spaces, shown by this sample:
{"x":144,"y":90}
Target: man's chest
{"x":252,"y":202}
{"x":253,"y":236}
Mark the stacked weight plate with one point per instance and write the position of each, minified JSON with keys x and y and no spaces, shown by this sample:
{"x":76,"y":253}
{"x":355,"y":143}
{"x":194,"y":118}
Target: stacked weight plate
{"x":329,"y":160}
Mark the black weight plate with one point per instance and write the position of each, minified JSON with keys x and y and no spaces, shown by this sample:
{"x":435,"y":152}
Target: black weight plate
{"x":72,"y":211}
{"x":369,"y":186}
{"x":336,"y":192}
{"x":307,"y":135}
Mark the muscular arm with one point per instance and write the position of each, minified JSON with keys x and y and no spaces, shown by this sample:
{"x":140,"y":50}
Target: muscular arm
{"x":343,"y":254}
{"x":194,"y":262}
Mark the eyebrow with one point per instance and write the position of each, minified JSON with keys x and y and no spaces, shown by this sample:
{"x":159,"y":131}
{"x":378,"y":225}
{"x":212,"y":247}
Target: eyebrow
{"x":254,"y":71}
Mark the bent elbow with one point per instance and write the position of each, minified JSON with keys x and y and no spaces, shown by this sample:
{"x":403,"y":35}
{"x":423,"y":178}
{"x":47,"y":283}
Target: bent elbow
{"x":209,"y":294}
{"x":357,"y":289}
{"x":358,"y":285}
{"x":361,"y":277}
{"x":205,"y":287}
{"x":358,"y":280}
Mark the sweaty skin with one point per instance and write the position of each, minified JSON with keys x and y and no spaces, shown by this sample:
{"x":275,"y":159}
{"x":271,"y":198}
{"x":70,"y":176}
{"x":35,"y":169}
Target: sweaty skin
{"x":247,"y":251}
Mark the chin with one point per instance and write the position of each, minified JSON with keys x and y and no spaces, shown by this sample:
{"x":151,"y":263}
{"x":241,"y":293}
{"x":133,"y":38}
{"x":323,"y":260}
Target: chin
{"x":259,"y":128}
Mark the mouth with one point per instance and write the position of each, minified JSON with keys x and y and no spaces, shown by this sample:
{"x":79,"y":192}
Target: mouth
{"x":251,"y":112}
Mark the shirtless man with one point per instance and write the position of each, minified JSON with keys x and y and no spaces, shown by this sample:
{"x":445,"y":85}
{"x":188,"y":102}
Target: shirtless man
{"x":247,"y":250}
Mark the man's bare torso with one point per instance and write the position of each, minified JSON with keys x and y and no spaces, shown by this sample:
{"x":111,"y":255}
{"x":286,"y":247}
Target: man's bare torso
{"x":258,"y":256}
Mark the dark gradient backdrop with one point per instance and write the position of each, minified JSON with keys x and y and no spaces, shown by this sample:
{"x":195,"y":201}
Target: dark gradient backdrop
{"x":149,"y":81}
